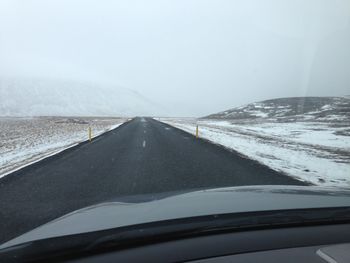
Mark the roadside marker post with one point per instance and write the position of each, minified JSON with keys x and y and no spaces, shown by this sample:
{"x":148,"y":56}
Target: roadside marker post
{"x":90,"y":134}
{"x":197,"y":131}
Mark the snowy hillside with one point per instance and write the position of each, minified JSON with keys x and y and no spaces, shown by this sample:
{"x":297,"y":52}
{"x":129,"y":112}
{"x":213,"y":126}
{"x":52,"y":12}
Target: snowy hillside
{"x":23,"y":97}
{"x":297,"y":108}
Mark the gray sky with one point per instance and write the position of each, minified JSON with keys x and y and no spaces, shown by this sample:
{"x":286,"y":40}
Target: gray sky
{"x":195,"y":56}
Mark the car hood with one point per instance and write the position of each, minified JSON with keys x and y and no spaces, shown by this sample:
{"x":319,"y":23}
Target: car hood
{"x":133,"y":211}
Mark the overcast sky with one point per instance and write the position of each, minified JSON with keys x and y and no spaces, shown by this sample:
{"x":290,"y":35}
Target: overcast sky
{"x":195,"y":56}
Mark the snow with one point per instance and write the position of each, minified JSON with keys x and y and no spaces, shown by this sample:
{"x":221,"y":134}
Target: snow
{"x":28,"y":140}
{"x":259,"y":114}
{"x":326,"y":107}
{"x":309,"y":151}
{"x":46,"y":97}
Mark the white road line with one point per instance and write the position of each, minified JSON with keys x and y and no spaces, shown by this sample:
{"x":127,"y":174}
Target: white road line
{"x":144,"y":131}
{"x":144,"y":144}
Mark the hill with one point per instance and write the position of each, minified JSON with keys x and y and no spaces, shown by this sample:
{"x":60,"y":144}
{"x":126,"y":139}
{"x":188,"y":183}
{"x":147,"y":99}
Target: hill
{"x":301,"y":108}
{"x":23,"y":97}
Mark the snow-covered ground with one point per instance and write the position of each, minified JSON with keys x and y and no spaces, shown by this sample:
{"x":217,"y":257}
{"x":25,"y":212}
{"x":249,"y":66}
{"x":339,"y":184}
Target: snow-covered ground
{"x":315,"y":152}
{"x":27,"y":140}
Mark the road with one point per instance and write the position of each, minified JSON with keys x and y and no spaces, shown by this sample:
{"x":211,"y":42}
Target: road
{"x":141,"y":156}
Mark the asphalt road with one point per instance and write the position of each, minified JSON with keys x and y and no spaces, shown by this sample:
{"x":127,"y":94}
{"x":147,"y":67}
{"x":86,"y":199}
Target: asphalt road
{"x":141,"y":156}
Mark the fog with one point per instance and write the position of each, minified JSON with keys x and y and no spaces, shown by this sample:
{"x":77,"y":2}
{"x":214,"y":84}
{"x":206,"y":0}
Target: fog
{"x":194,"y":57}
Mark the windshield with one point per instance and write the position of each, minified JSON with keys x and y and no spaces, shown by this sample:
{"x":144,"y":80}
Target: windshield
{"x":127,"y":102}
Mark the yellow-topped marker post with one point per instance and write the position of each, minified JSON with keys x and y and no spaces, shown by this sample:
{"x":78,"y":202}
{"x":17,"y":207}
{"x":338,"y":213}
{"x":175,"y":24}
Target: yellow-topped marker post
{"x":197,"y":133}
{"x":90,"y":134}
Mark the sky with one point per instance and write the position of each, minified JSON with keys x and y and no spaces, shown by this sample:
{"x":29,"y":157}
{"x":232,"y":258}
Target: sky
{"x":195,"y":57}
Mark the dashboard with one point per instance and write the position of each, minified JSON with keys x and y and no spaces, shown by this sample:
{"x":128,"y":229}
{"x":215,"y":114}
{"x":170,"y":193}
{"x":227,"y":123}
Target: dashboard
{"x":311,"y":244}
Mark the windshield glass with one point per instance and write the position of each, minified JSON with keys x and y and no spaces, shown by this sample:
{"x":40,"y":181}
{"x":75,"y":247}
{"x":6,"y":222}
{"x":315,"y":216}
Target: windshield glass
{"x":131,"y":101}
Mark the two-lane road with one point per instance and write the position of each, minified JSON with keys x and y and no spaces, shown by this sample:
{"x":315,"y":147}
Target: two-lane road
{"x":141,"y":156}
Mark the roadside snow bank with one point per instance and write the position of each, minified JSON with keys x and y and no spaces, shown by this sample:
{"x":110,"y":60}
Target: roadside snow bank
{"x":24,"y":141}
{"x":318,"y":153}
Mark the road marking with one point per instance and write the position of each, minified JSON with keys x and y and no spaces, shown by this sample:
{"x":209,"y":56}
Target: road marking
{"x":144,"y":131}
{"x":167,"y":128}
{"x":144,"y":144}
{"x":325,"y":257}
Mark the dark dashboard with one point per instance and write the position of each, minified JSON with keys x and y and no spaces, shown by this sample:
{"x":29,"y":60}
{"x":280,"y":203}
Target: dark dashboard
{"x":310,"y":244}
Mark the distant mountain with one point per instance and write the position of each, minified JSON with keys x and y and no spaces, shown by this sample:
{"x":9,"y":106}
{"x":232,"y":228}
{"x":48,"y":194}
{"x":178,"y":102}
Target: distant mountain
{"x":301,"y":108}
{"x":23,"y":97}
